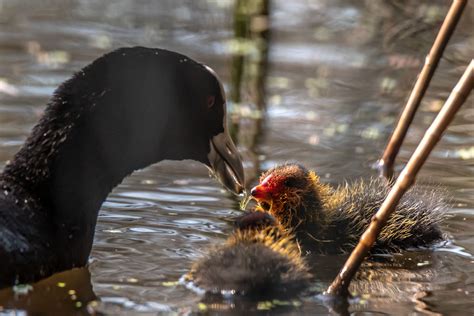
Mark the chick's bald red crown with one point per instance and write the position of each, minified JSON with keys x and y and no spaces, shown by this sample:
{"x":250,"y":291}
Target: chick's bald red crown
{"x":269,"y":187}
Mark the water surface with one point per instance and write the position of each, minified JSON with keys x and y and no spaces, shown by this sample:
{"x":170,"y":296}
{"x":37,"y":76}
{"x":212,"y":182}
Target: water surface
{"x":338,"y":74}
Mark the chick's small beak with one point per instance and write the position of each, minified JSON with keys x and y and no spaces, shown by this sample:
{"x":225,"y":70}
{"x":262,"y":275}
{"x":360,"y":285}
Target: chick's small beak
{"x":259,"y":192}
{"x":225,"y":163}
{"x":262,"y":195}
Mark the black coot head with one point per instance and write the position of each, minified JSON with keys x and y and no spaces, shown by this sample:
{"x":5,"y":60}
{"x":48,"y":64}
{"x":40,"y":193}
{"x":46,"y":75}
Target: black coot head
{"x":163,"y":105}
{"x":205,"y":127}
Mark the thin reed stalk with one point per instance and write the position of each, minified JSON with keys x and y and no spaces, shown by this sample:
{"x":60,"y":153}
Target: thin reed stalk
{"x":385,"y":164}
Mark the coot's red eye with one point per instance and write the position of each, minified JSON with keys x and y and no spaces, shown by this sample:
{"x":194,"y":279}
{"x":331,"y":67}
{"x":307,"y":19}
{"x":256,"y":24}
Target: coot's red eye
{"x":210,"y":101}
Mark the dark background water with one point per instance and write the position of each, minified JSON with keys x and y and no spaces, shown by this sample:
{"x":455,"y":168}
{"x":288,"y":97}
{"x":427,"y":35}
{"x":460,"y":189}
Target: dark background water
{"x":338,"y":74}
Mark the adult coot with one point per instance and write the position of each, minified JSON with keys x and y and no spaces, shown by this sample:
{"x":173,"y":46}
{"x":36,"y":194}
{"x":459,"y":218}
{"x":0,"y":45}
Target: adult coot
{"x":128,"y":109}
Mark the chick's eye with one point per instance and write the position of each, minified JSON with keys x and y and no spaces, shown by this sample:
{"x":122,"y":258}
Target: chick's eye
{"x":289,"y":182}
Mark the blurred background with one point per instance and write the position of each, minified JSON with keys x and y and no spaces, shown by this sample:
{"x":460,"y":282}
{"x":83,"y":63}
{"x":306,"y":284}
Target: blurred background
{"x":317,"y":81}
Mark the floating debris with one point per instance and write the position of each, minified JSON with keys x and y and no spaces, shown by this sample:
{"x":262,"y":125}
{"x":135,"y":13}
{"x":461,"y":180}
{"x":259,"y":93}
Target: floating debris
{"x":465,"y":153}
{"x":22,"y":289}
{"x":170,"y":283}
{"x":387,"y":85}
{"x":148,"y":181}
{"x":370,"y":133}
{"x":132,"y":280}
{"x":202,"y":307}
{"x":114,"y":231}
{"x":267,"y":305}
{"x":278,"y":82}
{"x":101,"y":41}
{"x":264,"y":306}
{"x":313,"y":139}
{"x":7,"y":88}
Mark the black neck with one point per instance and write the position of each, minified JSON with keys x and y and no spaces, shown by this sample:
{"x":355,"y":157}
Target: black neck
{"x":125,"y":111}
{"x":72,"y":161}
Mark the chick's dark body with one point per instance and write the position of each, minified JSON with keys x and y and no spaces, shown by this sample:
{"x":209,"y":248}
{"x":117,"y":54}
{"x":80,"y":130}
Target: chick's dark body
{"x":331,"y":220}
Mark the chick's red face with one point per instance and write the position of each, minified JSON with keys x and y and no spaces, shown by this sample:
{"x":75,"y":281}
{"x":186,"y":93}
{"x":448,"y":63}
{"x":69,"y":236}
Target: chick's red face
{"x":282,"y":188}
{"x":269,"y":188}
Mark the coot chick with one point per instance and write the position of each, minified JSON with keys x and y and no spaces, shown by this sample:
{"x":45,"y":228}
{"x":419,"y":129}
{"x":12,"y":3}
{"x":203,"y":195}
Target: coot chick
{"x":260,"y":259}
{"x":126,"y":110}
{"x":331,"y":220}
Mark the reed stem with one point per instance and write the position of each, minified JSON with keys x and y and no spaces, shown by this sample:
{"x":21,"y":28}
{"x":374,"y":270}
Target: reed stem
{"x":406,"y":179}
{"x":386,"y":163}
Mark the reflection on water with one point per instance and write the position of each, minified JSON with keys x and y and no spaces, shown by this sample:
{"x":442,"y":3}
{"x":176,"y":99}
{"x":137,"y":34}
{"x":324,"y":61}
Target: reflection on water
{"x":249,"y":67}
{"x":338,"y":74}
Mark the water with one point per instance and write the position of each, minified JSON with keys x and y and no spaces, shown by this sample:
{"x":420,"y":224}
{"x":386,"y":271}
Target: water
{"x":338,"y":75}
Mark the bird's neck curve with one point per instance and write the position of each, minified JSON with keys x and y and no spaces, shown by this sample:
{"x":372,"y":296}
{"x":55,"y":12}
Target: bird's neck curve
{"x":76,"y":154}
